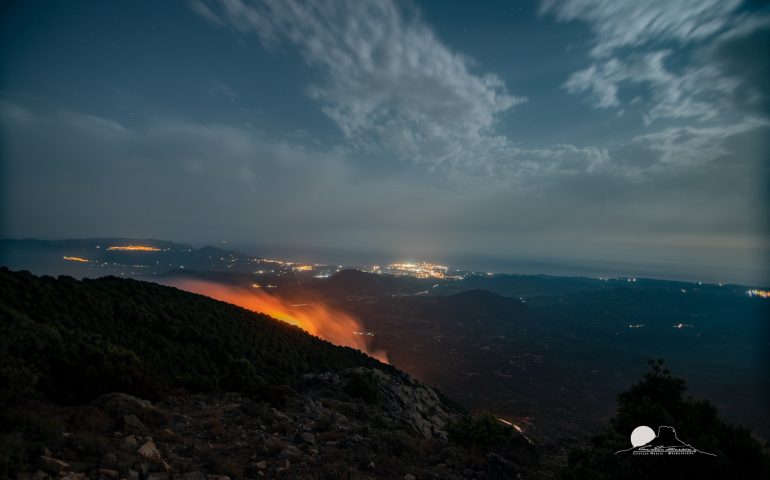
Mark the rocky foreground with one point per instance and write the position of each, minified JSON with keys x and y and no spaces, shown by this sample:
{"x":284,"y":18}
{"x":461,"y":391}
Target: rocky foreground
{"x":356,"y":424}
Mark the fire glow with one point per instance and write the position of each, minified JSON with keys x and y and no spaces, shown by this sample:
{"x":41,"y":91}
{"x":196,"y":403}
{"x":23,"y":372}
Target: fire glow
{"x":315,"y":318}
{"x":76,"y":259}
{"x":134,"y":248}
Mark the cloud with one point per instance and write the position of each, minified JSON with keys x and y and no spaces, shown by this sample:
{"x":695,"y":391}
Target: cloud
{"x":630,"y":23}
{"x":386,"y":80}
{"x":78,"y":175}
{"x":700,"y":93}
{"x":690,"y":59}
{"x":690,"y":146}
{"x":393,"y":88}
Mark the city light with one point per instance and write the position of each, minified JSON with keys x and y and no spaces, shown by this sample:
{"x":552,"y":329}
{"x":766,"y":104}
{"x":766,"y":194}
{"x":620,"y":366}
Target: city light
{"x":758,"y":293}
{"x":419,"y":270}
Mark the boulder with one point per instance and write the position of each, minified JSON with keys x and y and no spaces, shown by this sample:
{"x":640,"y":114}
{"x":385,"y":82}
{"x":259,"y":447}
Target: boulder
{"x":149,"y":451}
{"x":190,"y":476}
{"x":108,"y":474}
{"x":131,"y":441}
{"x":290,"y":451}
{"x":305,"y":437}
{"x":110,"y":460}
{"x":52,"y":465}
{"x":132,"y":424}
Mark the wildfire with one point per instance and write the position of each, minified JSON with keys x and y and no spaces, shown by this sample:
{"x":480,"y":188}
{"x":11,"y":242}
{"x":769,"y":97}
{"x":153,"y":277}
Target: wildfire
{"x":76,"y":259}
{"x":317,"y":319}
{"x":134,"y":248}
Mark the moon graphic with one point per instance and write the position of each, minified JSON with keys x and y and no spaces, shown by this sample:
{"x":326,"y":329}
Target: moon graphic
{"x":642,"y":435}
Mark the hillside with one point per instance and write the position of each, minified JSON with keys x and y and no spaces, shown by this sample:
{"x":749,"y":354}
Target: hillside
{"x":145,"y":339}
{"x":117,"y":378}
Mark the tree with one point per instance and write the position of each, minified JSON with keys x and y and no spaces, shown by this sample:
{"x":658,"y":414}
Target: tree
{"x":659,"y":399}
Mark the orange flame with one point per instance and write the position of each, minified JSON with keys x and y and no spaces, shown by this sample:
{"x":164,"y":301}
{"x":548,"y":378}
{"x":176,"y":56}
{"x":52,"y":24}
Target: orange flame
{"x":134,"y":248}
{"x":76,"y":259}
{"x":315,"y":318}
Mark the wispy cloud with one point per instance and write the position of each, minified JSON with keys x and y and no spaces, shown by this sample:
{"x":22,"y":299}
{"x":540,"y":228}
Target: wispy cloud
{"x":663,"y":58}
{"x":700,"y":93}
{"x":692,"y":146}
{"x":386,"y":80}
{"x":630,"y":23}
{"x":643,"y":43}
{"x":394,"y":88}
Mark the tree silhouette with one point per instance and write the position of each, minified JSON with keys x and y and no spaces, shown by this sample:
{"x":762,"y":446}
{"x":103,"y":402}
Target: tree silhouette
{"x":659,"y":399}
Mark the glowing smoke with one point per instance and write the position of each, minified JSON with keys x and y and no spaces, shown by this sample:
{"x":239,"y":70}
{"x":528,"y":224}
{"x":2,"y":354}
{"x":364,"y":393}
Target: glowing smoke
{"x":317,"y":319}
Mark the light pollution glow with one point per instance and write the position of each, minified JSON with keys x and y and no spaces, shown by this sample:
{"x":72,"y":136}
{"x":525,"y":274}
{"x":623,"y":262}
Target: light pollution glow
{"x":317,"y":319}
{"x":134,"y":248}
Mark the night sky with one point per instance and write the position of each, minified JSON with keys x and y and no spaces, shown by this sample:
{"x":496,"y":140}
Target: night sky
{"x":607,"y":131}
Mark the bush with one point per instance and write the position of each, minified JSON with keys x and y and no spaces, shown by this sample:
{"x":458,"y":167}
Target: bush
{"x":364,"y":385}
{"x":481,"y":431}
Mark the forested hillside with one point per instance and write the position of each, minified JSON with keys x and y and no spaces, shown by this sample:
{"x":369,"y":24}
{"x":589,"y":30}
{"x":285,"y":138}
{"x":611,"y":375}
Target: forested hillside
{"x":71,"y":340}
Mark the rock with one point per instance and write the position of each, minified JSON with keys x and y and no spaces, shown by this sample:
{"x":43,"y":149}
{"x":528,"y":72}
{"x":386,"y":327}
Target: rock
{"x":132,"y":474}
{"x":52,"y":465}
{"x":82,"y":467}
{"x":131,"y":441}
{"x":307,"y":438}
{"x":493,"y":457}
{"x":150,"y":452}
{"x":38,"y":475}
{"x":401,"y":398}
{"x":131,"y":424}
{"x":409,"y":476}
{"x":110,"y":460}
{"x":262,"y":465}
{"x":158,"y":476}
{"x":121,"y":402}
{"x":290,"y":451}
{"x":108,"y":473}
{"x":190,"y":476}
{"x":74,"y":476}
{"x":218,"y":477}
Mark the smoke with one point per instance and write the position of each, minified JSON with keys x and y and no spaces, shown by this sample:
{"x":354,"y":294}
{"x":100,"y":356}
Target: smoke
{"x":315,"y":318}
